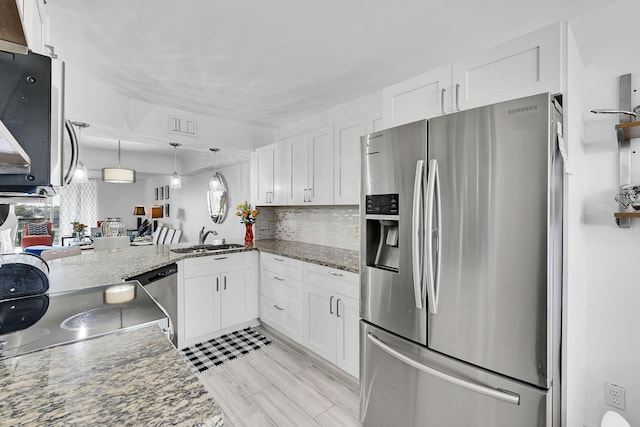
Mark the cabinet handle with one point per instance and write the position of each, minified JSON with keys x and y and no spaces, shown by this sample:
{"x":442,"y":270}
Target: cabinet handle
{"x":278,"y":259}
{"x":278,"y":278}
{"x":306,"y":193}
{"x":217,"y":285}
{"x":442,"y":91}
{"x":278,"y":308}
{"x":331,"y":305}
{"x":310,"y":195}
{"x":458,"y":96}
{"x":335,"y":274}
{"x":338,"y":307}
{"x":220,"y":258}
{"x":272,"y":196}
{"x":224,"y":281}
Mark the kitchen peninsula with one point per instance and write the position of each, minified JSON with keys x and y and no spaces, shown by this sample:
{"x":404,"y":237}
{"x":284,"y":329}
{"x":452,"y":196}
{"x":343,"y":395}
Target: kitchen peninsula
{"x":133,"y":377}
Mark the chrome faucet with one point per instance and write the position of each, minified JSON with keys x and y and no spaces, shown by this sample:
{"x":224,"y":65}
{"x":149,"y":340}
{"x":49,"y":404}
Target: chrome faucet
{"x":203,"y":235}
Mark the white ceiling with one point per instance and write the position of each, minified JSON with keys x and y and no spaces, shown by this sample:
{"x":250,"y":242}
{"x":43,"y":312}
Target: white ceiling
{"x":277,"y":61}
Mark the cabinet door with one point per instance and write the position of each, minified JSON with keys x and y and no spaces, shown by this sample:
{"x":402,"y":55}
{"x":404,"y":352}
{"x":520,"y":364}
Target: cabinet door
{"x":281,"y":173}
{"x":299,"y":171}
{"x":320,"y":322}
{"x":346,"y":183}
{"x":202,"y":297}
{"x":321,"y":166}
{"x":264,"y":184}
{"x":348,"y":340}
{"x":234,"y":299}
{"x":422,"y":97}
{"x":525,"y":66}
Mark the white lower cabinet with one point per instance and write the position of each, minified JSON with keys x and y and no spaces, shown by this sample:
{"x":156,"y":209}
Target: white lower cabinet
{"x":216,"y":293}
{"x":331,"y":315}
{"x":281,"y":294}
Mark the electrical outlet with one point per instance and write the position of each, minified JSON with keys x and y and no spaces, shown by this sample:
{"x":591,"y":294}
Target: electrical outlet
{"x":264,"y":225}
{"x":356,"y":230}
{"x":614,"y":395}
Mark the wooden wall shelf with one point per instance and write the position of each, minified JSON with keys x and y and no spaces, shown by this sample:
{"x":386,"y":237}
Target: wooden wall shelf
{"x":627,"y":214}
{"x":630,"y":130}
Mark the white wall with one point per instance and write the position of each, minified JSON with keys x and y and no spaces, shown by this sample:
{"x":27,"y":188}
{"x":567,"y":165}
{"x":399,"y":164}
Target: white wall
{"x":574,"y":326}
{"x":611,"y":289}
{"x":117,"y":200}
{"x":188,"y":205}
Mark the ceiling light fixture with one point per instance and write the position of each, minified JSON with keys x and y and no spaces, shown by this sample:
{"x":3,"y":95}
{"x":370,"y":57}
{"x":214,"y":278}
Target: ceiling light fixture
{"x":118,"y":175}
{"x":81,"y":175}
{"x":176,"y":181}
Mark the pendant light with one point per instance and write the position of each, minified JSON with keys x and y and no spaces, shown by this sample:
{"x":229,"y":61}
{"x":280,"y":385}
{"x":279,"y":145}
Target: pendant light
{"x":81,"y":175}
{"x":118,"y":175}
{"x":176,"y":181}
{"x":217,"y":194}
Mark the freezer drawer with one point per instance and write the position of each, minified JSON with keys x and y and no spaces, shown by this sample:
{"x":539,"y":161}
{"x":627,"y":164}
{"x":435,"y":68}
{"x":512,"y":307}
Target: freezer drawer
{"x":404,"y":384}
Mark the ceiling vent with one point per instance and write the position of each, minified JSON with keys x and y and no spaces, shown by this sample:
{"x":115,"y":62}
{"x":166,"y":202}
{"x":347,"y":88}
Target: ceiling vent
{"x":183,"y":126}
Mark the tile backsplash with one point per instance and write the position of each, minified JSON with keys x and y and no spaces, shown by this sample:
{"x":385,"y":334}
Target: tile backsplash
{"x":336,"y":226}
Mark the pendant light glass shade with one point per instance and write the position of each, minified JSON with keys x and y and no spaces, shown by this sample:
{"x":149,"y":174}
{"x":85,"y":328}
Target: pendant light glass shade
{"x":217,"y":194}
{"x":118,"y":175}
{"x":176,"y":181}
{"x":81,"y":174}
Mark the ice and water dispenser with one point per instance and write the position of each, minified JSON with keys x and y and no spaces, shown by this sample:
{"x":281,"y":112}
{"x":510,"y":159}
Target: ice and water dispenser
{"x":382,"y":249}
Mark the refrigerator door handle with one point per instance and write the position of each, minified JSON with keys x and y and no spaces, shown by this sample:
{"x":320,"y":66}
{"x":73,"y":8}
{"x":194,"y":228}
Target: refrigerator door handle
{"x":505,"y":396}
{"x":433,"y":201}
{"x":416,"y":220}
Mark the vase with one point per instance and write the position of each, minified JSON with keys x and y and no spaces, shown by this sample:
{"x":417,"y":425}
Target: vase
{"x":113,"y":227}
{"x":79,"y":236}
{"x":248,"y":234}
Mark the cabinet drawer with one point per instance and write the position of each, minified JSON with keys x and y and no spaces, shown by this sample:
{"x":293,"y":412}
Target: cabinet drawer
{"x":332,"y":279}
{"x":214,"y":264}
{"x":280,"y":288}
{"x":281,"y":265}
{"x":282,"y":316}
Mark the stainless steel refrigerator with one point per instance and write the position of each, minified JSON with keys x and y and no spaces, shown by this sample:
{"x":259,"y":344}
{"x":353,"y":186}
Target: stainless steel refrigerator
{"x":461,"y":269}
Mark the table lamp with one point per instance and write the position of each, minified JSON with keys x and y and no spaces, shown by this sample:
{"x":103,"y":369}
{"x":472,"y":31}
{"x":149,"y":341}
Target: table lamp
{"x":156,"y":212}
{"x":139,"y":212}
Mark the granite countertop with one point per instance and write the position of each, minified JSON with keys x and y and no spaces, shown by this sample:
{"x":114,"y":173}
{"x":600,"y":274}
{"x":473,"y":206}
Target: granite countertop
{"x":93,"y":268}
{"x":343,"y":259}
{"x":129,"y":378}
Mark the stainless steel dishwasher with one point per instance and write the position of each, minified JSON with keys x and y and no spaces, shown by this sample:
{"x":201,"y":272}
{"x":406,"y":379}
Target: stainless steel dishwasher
{"x":162,"y":284}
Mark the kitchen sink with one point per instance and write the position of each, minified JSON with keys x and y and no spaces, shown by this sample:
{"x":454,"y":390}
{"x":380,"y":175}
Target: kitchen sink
{"x":206,"y":248}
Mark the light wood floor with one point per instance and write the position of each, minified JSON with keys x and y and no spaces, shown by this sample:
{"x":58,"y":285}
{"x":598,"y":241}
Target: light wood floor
{"x":280,"y":386}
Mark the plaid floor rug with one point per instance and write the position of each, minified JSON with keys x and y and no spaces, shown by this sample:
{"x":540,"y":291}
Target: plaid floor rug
{"x":205,"y":355}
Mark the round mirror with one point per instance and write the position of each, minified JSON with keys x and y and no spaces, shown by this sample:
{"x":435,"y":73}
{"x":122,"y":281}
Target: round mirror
{"x":217,"y":198}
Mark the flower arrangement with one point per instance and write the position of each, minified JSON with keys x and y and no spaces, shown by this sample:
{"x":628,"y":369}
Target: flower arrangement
{"x":78,"y":227}
{"x":246,"y":214}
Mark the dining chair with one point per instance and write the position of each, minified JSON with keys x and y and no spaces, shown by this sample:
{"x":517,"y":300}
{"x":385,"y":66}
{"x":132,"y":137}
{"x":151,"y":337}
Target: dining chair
{"x":176,"y":237}
{"x":161,"y":237}
{"x":156,"y":235}
{"x":169,"y":237}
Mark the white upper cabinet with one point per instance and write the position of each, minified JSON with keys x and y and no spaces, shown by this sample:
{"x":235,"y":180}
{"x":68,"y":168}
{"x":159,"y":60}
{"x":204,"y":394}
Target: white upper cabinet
{"x":528,"y":65}
{"x":421,"y":97}
{"x":264,"y":176}
{"x":346,"y":180}
{"x":272,"y":185}
{"x":281,"y":173}
{"x":525,"y":66}
{"x":299,"y":170}
{"x":312,"y":168}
